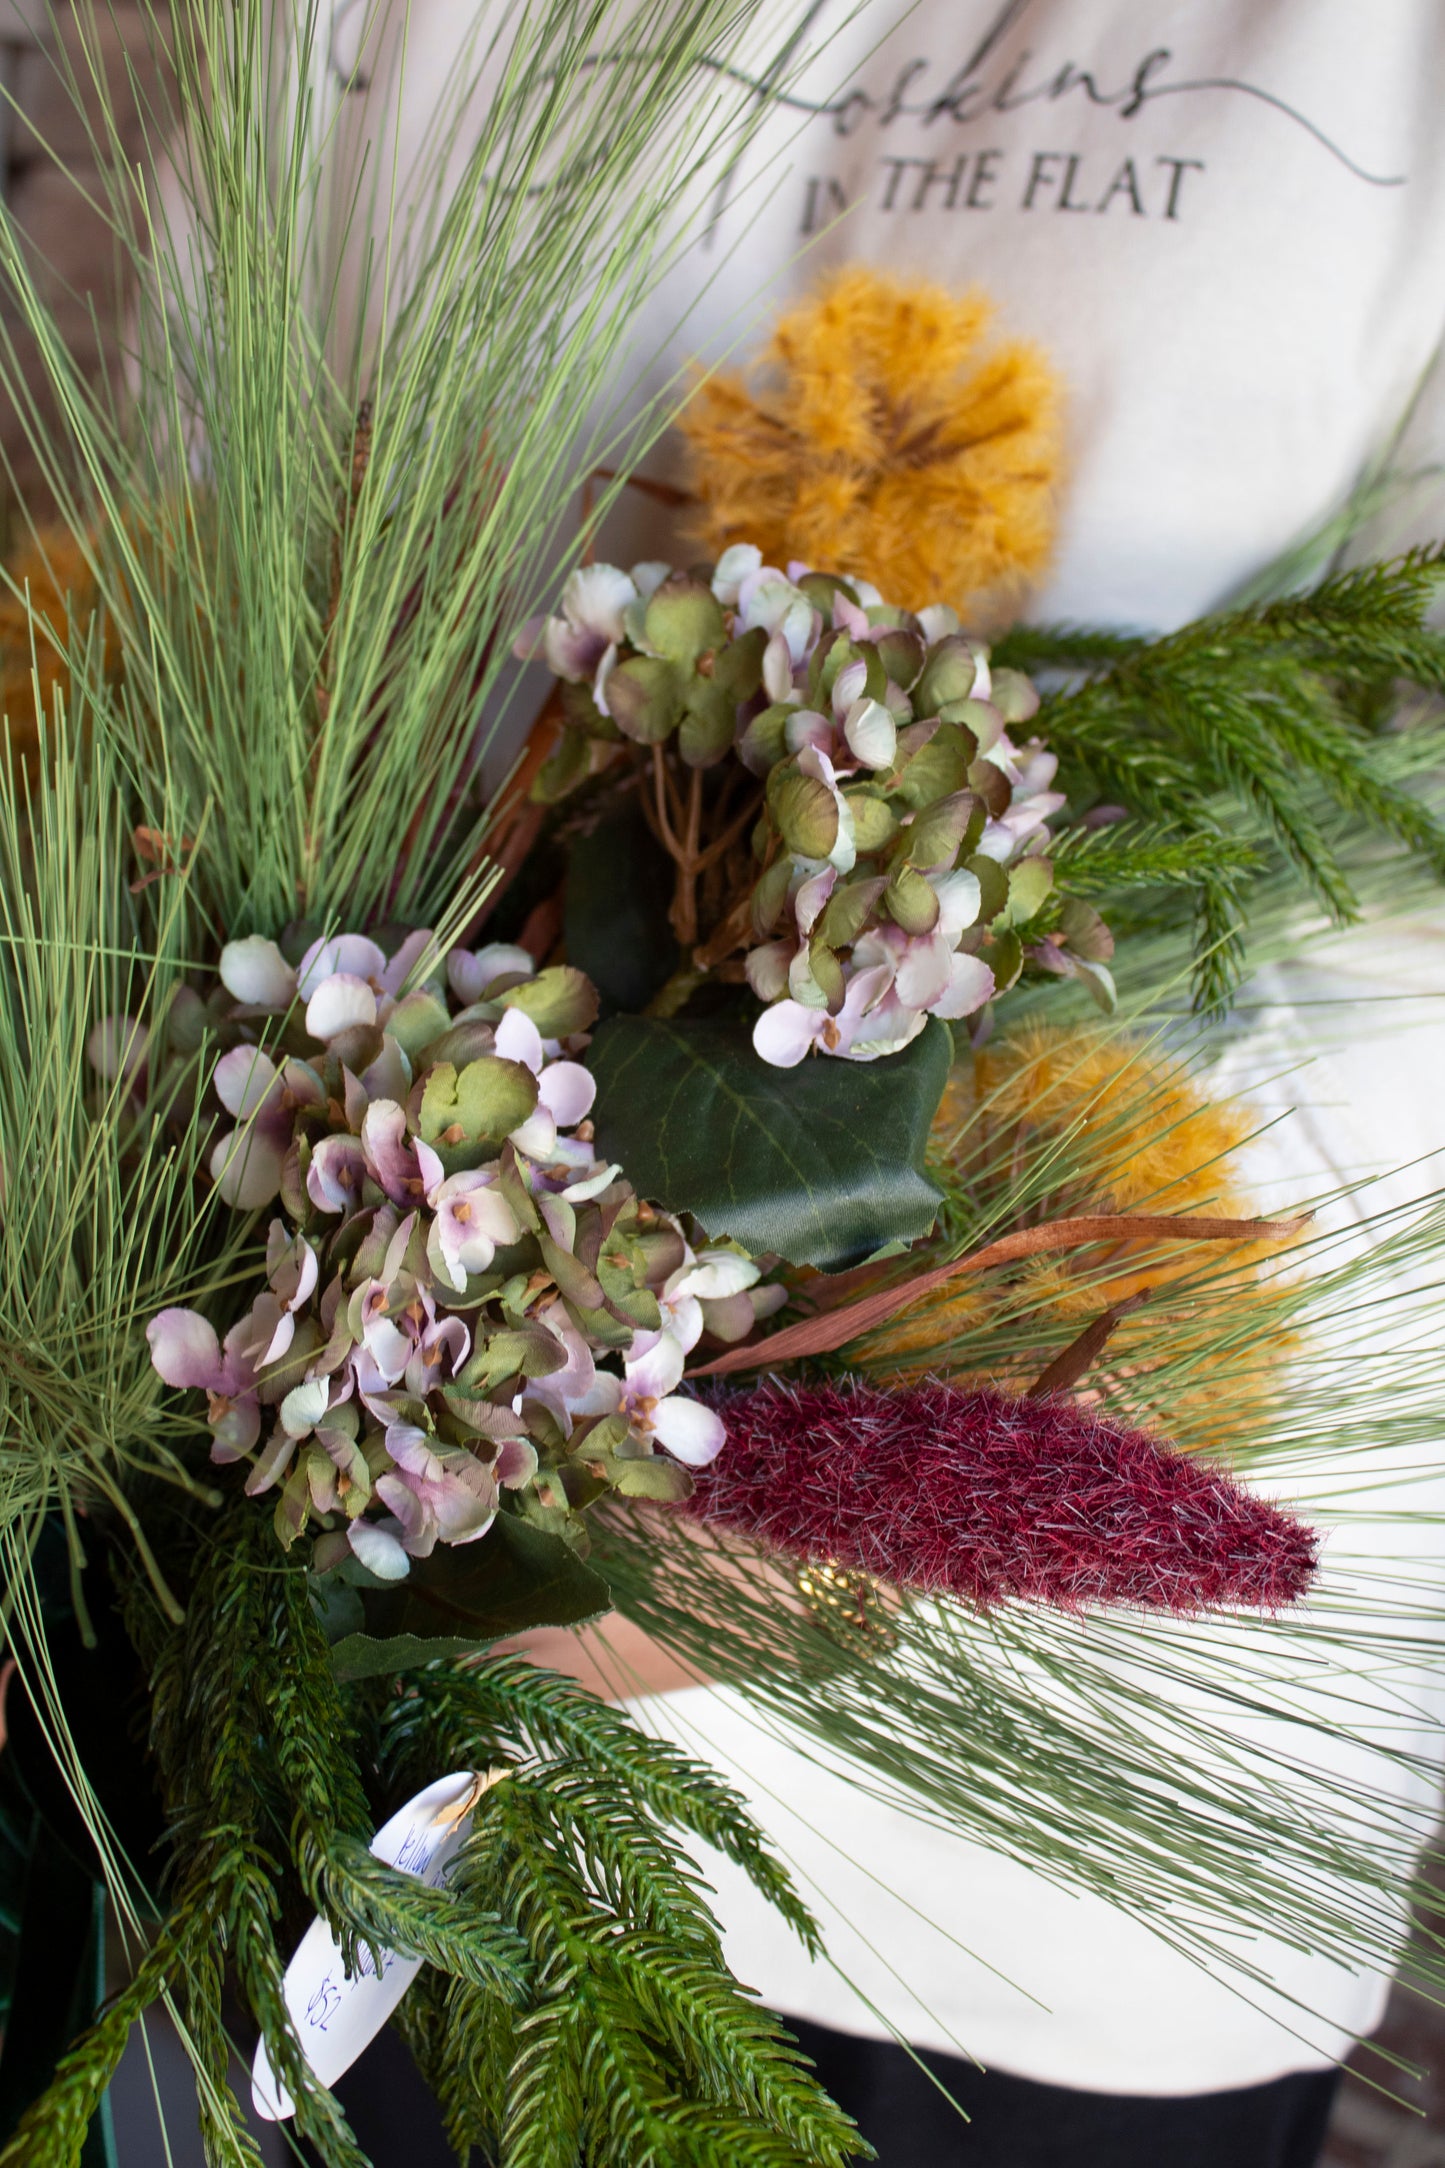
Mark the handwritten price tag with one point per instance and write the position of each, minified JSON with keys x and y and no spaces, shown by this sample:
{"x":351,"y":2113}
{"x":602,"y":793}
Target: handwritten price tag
{"x":339,"y":2013}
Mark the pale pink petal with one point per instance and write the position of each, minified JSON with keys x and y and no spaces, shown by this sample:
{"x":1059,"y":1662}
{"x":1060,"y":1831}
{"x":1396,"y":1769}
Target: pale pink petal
{"x":246,"y":1168}
{"x":655,"y":1367}
{"x":806,"y":728}
{"x":339,"y":1004}
{"x":971,"y":984}
{"x":516,"y":1463}
{"x":959,"y":897}
{"x":389,"y":1076}
{"x":595,"y":596}
{"x":518,"y":1039}
{"x":471,"y":971}
{"x":716,"y":1275}
{"x":245,"y":1079}
{"x":337,"y":1174}
{"x":185,"y":1350}
{"x":256,"y":972}
{"x":565,"y":1089}
{"x":924,"y":972}
{"x":784,"y":1033}
{"x":404,"y":961}
{"x":537,"y":1135}
{"x":692,"y":1433}
{"x":271,"y":1464}
{"x":348,"y":953}
{"x":777,"y":670}
{"x":767,"y":968}
{"x":378,"y":1550}
{"x":871,"y":733}
{"x":304,"y":1406}
{"x":730,"y":1319}
{"x":409,"y":1448}
{"x":811,"y":897}
{"x":235,"y":1430}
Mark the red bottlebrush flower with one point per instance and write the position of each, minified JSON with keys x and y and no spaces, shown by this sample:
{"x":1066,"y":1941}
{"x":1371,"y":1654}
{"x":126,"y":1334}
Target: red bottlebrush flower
{"x":982,"y":1497}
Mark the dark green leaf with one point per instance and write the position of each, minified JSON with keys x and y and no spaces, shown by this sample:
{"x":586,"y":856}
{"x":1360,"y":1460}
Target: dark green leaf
{"x":469,"y":1595}
{"x":619,"y":882}
{"x":822,"y":1163}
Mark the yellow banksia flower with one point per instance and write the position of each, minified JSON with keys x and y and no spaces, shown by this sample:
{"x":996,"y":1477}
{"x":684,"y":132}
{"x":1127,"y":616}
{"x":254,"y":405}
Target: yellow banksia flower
{"x":1134,"y":1132}
{"x":880,"y":434}
{"x":52,"y":569}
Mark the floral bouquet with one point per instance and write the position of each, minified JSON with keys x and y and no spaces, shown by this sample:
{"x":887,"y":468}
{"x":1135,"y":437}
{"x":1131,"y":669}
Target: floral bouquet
{"x":726,"y":1179}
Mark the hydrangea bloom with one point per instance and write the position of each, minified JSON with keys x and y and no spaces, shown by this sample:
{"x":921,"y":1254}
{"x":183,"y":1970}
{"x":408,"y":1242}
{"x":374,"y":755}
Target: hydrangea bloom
{"x":462,"y":1301}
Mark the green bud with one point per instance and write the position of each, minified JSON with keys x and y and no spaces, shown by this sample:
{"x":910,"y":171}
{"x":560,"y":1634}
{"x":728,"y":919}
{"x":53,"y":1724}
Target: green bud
{"x":583,"y":713}
{"x":848,"y":911}
{"x":937,"y":770}
{"x":739,"y":664}
{"x":769,"y":897}
{"x":645,"y":697}
{"x":563,"y":770}
{"x":950,"y":673}
{"x":827,"y":974}
{"x":1084,"y":932}
{"x":1015,"y":696}
{"x":983,"y":722}
{"x":559,"y":1001}
{"x":1029,"y":885}
{"x":478,"y":1105}
{"x":764,"y":743}
{"x":992,"y":785}
{"x":911,"y":902}
{"x":416,"y":1021}
{"x":1005,"y":959}
{"x":875,"y":823}
{"x":806,"y":814}
{"x":902,"y":654}
{"x":709,"y":725}
{"x":684,"y":620}
{"x":937,"y":835}
{"x":992,"y":886}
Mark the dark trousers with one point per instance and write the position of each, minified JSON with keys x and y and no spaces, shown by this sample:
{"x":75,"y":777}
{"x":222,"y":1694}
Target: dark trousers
{"x":1015,"y":2123}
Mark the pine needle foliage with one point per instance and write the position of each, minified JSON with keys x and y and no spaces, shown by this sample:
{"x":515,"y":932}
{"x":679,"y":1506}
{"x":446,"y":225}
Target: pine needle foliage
{"x":1236,"y":727}
{"x":574,"y":1935}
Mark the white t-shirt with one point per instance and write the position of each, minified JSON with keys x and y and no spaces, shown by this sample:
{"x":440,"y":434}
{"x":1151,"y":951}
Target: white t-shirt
{"x":1225,"y":224}
{"x":1225,"y":220}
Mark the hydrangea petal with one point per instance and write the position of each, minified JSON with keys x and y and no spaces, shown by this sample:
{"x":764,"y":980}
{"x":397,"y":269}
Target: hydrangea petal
{"x":339,"y":1004}
{"x":350,"y":953}
{"x":692,"y":1433}
{"x":185,"y":1350}
{"x":255,"y":971}
{"x":518,"y":1039}
{"x":784,"y":1033}
{"x":566,"y":1090}
{"x":971,"y":984}
{"x":378,"y":1550}
{"x":246,"y":1168}
{"x":244,"y":1080}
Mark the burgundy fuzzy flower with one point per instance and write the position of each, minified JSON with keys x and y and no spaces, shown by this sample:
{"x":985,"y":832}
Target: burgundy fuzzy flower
{"x":984,"y":1497}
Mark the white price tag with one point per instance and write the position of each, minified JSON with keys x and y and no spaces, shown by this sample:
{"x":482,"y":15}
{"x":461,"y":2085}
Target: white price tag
{"x":338,"y":2013}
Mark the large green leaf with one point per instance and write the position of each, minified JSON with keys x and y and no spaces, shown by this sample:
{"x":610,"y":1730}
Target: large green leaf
{"x":467,"y":1596}
{"x":822,"y":1163}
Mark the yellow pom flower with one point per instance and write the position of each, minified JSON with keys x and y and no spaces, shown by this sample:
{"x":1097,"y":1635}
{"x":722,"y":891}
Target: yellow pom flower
{"x":1135,"y":1133}
{"x":54,"y":572}
{"x":879,"y":435}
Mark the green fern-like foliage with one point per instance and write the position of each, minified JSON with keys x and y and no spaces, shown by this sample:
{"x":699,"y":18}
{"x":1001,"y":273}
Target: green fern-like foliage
{"x":1249,"y":726}
{"x":575,"y":2007}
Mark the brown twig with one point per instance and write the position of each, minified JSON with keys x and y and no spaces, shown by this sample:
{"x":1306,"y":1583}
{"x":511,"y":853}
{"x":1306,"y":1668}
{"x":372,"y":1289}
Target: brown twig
{"x":833,"y":1328}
